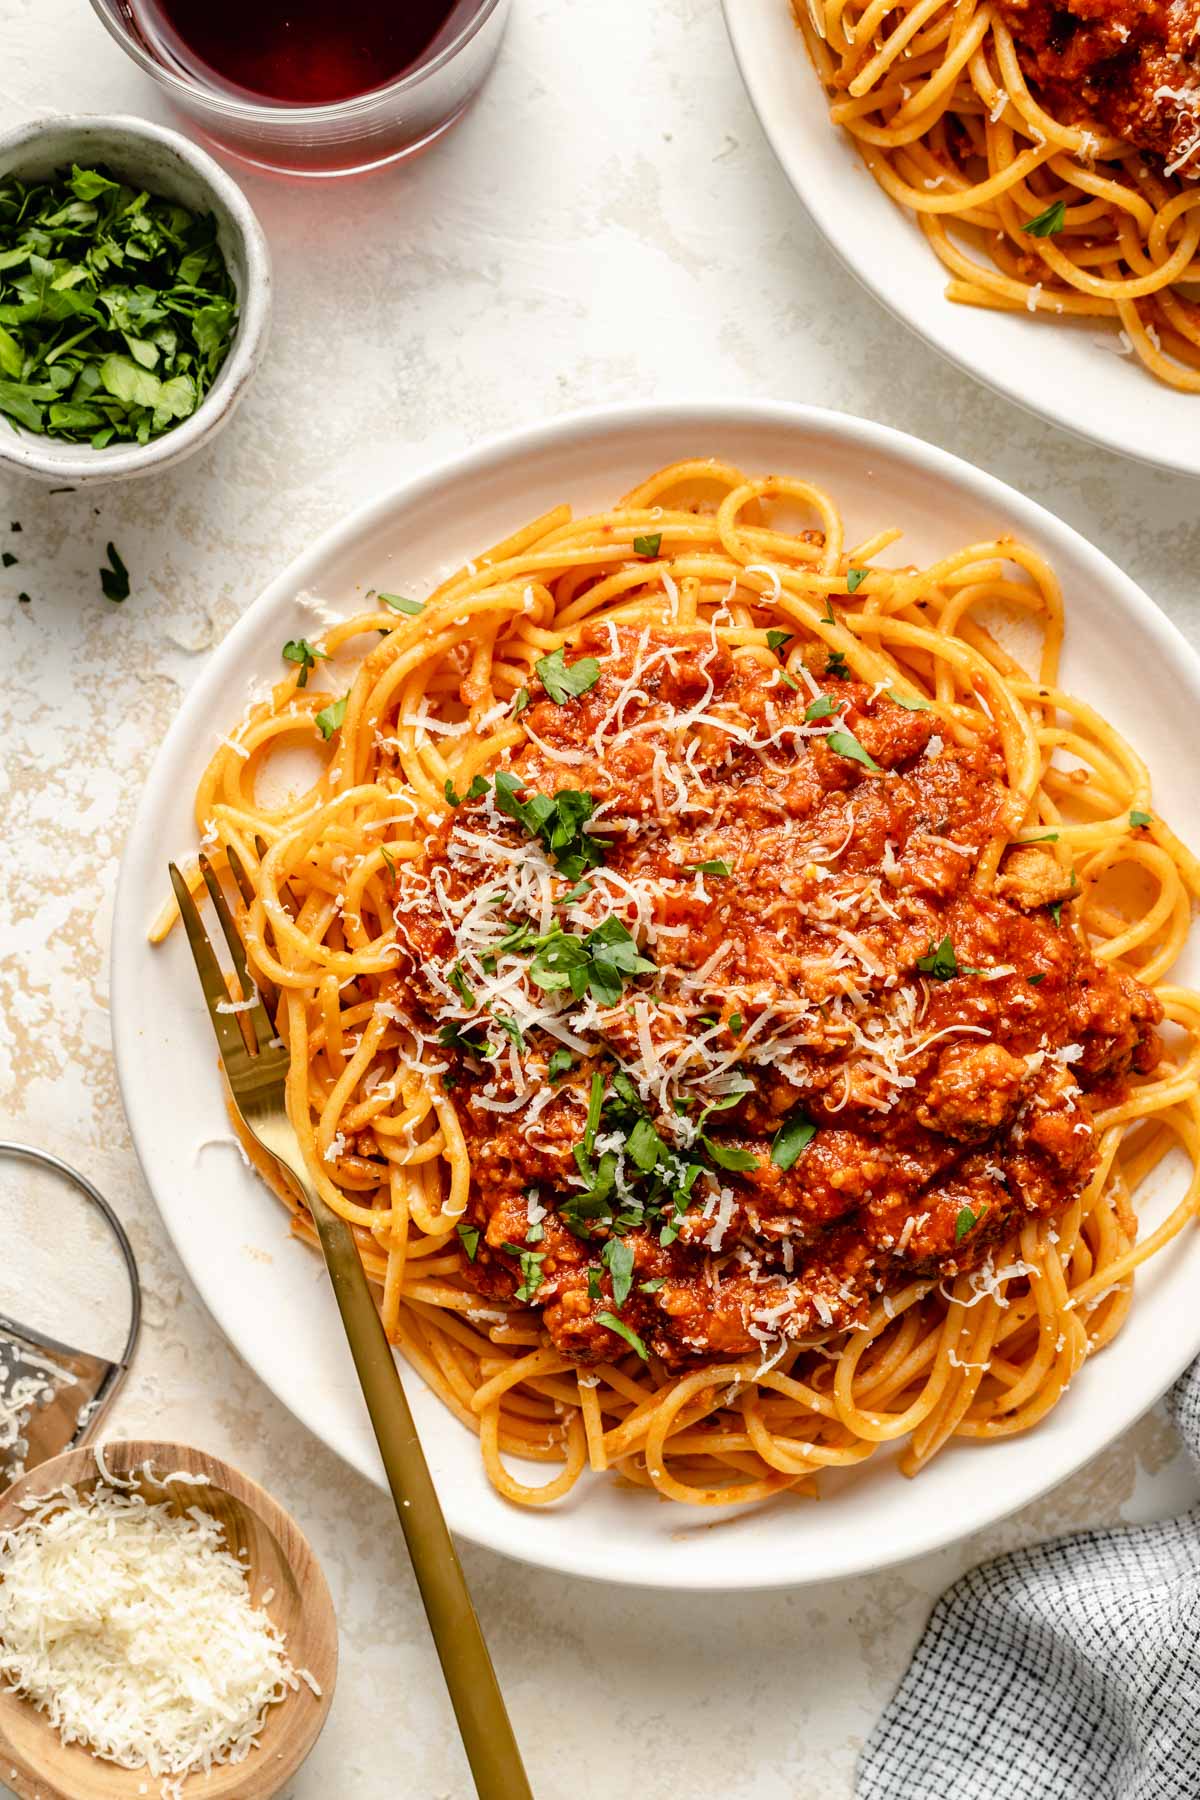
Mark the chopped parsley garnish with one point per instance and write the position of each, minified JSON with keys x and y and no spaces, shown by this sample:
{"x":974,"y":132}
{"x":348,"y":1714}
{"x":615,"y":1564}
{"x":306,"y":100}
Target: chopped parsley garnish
{"x":299,"y":650}
{"x":594,"y":1112}
{"x":399,"y":604}
{"x":1139,"y":818}
{"x":1036,"y":980}
{"x":530,"y":1263}
{"x":563,"y":683}
{"x":794,"y":1135}
{"x":823,"y":707}
{"x":511,"y":1029}
{"x":458,"y":1037}
{"x":625,"y":1331}
{"x":1048,"y":223}
{"x":965,"y":1222}
{"x":645,"y":1148}
{"x":836,"y":666}
{"x":1056,"y":912}
{"x":601,"y":961}
{"x":617,"y":1257}
{"x":652,"y":1286}
{"x":1047,"y":837}
{"x":829,"y":616}
{"x":520,"y":701}
{"x":116,"y":304}
{"x":648,"y":545}
{"x":470,"y":1239}
{"x":648,"y":1184}
{"x":476,"y":791}
{"x":561,"y":1063}
{"x":558,"y":820}
{"x":330,"y":718}
{"x":115,"y":578}
{"x":910,"y":702}
{"x":391,"y":866}
{"x":728,"y":1156}
{"x":459,"y":983}
{"x":855,"y":579}
{"x":940,"y":960}
{"x":844,"y":743}
{"x":735,"y":1024}
{"x":717,"y":866}
{"x":580,"y":891}
{"x":777,"y":639}
{"x":595,"y":1291}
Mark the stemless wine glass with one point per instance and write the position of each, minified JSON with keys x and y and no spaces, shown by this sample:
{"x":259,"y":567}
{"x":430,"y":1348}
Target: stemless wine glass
{"x":341,"y":137}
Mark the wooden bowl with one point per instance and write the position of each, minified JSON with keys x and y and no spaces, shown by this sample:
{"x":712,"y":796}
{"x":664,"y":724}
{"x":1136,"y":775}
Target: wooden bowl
{"x":33,"y":1759}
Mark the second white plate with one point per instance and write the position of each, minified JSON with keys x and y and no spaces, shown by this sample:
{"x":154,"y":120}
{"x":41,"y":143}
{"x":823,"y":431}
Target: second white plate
{"x":1069,"y":374}
{"x":268,"y":1292}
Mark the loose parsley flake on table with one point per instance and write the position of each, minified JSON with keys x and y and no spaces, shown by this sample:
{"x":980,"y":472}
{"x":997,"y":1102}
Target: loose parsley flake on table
{"x":117,"y":309}
{"x":115,"y":578}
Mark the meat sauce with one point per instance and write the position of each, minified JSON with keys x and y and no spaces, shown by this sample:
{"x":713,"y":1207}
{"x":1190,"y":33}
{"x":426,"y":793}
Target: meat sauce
{"x":948,"y":1045}
{"x":1130,"y":64}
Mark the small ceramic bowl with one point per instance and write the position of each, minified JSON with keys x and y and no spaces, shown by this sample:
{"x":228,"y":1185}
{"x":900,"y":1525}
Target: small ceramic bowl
{"x":166,"y":163}
{"x":282,"y":1574}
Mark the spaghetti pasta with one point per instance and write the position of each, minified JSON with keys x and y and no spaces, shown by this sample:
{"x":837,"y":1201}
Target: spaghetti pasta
{"x":1028,"y":200}
{"x":562,"y":1117}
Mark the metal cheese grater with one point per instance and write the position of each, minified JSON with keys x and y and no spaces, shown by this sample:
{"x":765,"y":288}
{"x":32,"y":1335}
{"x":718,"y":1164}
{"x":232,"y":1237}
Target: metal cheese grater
{"x":52,"y":1395}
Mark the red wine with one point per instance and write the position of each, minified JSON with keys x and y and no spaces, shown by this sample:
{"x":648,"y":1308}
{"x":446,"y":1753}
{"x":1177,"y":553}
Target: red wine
{"x":298,"y":52}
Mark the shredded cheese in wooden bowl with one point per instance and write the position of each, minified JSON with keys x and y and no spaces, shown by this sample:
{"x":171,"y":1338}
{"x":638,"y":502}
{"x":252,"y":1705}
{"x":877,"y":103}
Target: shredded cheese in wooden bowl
{"x":129,"y":1622}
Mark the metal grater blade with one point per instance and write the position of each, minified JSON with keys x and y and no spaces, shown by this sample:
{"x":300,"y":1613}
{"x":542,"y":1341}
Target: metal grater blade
{"x":49,"y":1395}
{"x":52,"y":1396}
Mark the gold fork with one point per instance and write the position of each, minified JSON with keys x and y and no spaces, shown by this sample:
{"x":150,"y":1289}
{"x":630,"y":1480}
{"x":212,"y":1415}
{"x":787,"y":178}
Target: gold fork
{"x":256,"y":1066}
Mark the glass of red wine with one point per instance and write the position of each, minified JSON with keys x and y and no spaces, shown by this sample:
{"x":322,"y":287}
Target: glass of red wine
{"x":314,"y":87}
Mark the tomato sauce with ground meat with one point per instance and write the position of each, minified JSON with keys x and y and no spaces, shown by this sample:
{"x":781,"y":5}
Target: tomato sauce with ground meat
{"x":948,"y":1044}
{"x":1133,"y":65}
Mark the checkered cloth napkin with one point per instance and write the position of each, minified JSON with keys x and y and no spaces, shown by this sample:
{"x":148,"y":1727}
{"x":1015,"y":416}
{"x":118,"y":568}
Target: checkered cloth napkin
{"x":1067,"y":1672}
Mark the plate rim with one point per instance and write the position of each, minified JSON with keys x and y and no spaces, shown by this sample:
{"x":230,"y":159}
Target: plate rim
{"x":735,"y":12}
{"x":128,"y":926}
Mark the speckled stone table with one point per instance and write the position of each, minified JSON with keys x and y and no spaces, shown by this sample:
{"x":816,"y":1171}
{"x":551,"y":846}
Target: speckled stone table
{"x":607,"y":224}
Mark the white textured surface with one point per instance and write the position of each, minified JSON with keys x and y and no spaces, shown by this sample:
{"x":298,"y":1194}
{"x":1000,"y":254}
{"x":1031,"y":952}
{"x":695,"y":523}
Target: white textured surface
{"x":606,"y":224}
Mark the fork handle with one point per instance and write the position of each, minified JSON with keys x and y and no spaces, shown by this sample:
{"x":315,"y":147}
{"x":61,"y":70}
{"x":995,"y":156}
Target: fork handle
{"x":483,"y":1720}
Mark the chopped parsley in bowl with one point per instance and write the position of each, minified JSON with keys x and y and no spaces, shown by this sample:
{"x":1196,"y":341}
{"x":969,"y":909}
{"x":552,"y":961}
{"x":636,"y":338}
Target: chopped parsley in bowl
{"x":134,"y":297}
{"x":117,"y":309}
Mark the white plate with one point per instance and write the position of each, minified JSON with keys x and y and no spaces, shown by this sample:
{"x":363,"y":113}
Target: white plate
{"x":1061,"y":371}
{"x":264,"y":1289}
